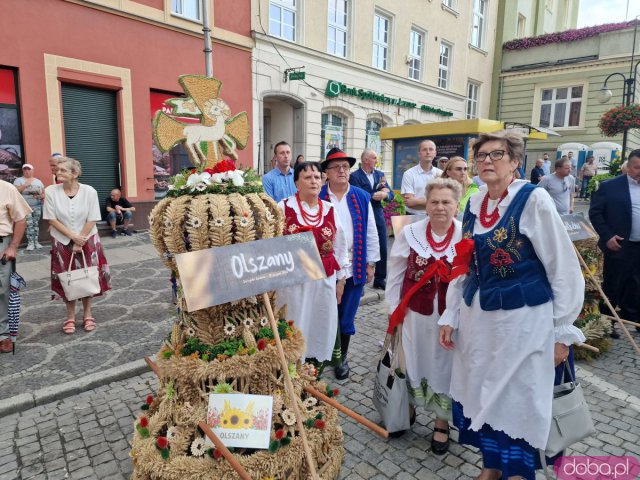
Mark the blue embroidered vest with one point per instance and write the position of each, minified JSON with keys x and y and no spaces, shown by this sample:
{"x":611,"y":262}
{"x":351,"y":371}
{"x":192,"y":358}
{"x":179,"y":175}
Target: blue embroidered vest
{"x":505,"y":266}
{"x":358,"y":201}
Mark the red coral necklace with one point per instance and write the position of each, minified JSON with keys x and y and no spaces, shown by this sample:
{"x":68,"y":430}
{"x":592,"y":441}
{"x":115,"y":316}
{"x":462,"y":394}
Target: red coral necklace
{"x":312,"y":220}
{"x":439,"y":247}
{"x":488,"y":220}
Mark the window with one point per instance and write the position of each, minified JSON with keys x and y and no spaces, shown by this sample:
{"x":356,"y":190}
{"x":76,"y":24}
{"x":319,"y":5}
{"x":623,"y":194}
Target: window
{"x":282,"y":19}
{"x":381,"y":25}
{"x":472,"y":100}
{"x":521,"y":30}
{"x":373,"y":136}
{"x":478,"y":23}
{"x":449,"y":3}
{"x":445,"y":64}
{"x":561,"y":107}
{"x":333,"y":127}
{"x":337,"y":32}
{"x":190,"y":9}
{"x":414,"y":59}
{"x":11,"y":148}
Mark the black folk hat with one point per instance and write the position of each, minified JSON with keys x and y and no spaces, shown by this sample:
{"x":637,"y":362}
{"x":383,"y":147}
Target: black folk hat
{"x":336,"y":154}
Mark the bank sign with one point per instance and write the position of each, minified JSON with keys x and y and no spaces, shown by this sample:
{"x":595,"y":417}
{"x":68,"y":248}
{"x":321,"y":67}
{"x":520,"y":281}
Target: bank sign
{"x":335,"y":88}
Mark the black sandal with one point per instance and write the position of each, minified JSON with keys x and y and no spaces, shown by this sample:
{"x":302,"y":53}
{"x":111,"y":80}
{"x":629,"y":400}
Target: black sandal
{"x":440,"y":448}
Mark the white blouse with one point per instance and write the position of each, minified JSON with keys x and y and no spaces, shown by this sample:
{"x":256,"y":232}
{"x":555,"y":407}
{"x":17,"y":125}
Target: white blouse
{"x":74,"y":212}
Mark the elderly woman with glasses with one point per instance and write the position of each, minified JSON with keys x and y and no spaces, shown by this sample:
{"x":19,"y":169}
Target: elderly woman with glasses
{"x":456,"y":169}
{"x":510,"y":320}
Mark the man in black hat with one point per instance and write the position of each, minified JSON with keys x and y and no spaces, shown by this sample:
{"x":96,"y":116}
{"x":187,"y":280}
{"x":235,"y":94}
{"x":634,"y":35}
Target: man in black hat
{"x":353,"y":208}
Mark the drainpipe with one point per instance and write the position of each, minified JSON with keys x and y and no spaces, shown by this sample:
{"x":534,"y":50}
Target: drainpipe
{"x":208,"y":52}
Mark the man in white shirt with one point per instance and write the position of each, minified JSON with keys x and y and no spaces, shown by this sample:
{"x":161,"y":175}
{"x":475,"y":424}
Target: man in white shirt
{"x":353,"y":207}
{"x":560,"y":186}
{"x":416,"y":178}
{"x":546,"y":166}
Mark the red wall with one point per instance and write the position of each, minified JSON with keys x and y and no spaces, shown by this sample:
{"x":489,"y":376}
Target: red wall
{"x":155,"y":56}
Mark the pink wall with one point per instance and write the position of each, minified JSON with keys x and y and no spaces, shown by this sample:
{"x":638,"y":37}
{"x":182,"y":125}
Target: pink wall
{"x":156,"y":57}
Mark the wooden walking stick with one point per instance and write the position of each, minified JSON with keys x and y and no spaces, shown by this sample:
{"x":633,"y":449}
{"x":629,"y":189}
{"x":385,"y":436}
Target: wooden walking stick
{"x":606,"y":300}
{"x":637,"y":325}
{"x":289,"y":388}
{"x":212,"y":436}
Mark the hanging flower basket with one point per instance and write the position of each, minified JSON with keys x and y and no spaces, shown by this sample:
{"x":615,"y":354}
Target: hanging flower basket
{"x":615,"y":121}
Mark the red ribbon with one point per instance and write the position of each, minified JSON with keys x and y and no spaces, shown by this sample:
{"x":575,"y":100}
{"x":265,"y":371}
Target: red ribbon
{"x":464,"y":250}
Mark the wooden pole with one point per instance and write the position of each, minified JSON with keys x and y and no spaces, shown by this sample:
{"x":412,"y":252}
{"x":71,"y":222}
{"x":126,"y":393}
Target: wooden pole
{"x":209,"y":433}
{"x":606,"y":300}
{"x":358,"y":418}
{"x":623,"y":320}
{"x":586,"y":346}
{"x":291,"y":392}
{"x":225,"y":451}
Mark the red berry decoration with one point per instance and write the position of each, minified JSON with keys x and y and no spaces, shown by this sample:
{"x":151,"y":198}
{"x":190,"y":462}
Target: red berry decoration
{"x":279,"y":434}
{"x":336,"y":391}
{"x":319,"y":424}
{"x":144,"y":422}
{"x":162,"y":443}
{"x":217,"y":453}
{"x":149,"y":399}
{"x":262,"y":344}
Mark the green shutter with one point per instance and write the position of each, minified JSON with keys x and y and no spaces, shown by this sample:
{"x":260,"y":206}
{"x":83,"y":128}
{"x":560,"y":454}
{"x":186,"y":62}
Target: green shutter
{"x":91,"y":136}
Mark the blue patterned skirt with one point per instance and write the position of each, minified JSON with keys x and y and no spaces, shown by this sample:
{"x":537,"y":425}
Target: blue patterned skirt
{"x":513,"y":457}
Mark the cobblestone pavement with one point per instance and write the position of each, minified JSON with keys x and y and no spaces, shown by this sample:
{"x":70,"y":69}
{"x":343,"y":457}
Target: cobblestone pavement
{"x":132,"y":320}
{"x":86,"y":435}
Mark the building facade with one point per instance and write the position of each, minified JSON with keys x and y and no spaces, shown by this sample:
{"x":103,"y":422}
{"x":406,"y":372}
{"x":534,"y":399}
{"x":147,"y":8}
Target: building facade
{"x":557,"y":86}
{"x":333,"y":72}
{"x":529,"y":18}
{"x":84,"y":77}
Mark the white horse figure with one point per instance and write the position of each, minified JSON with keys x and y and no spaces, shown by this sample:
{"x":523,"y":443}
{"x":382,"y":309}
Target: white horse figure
{"x":216,"y":110}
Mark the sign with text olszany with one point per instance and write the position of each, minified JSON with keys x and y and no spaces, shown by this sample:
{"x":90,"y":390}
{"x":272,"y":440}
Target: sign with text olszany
{"x":578,"y":227}
{"x":219,"y":275}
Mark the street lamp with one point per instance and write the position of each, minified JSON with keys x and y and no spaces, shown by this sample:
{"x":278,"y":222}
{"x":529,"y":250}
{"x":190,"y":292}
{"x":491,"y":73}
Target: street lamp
{"x":629,"y":91}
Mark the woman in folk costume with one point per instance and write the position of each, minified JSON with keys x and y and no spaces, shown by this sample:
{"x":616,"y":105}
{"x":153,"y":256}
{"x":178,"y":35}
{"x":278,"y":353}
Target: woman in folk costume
{"x":353,"y":208}
{"x":511,"y":319}
{"x":312,"y":306}
{"x":416,"y":251}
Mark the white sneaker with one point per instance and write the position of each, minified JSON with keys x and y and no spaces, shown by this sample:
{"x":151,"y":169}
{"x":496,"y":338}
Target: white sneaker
{"x":30,"y":247}
{"x":38,"y":245}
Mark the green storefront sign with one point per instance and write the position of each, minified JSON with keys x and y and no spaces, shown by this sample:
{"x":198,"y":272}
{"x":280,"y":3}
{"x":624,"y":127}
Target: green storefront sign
{"x":335,"y":88}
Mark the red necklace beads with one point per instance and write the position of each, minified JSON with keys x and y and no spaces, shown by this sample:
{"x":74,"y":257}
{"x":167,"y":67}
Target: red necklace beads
{"x":310,"y":219}
{"x":487,"y":220}
{"x":439,"y":247}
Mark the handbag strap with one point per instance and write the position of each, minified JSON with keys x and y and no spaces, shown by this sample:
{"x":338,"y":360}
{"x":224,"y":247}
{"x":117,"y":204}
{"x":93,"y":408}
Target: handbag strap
{"x":393,"y":344}
{"x":84,"y":260}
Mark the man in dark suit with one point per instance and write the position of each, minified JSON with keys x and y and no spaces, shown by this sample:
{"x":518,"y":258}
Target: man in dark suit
{"x":373,"y":182}
{"x":615,"y":214}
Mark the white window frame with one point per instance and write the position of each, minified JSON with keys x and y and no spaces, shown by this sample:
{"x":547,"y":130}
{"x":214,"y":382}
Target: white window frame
{"x":553,"y":102}
{"x":177,"y":9}
{"x":283,"y":5}
{"x":335,"y":28}
{"x":444,"y":70}
{"x":473,"y":97}
{"x":479,"y":23}
{"x":521,"y":26}
{"x":414,"y":56}
{"x":379,"y":44}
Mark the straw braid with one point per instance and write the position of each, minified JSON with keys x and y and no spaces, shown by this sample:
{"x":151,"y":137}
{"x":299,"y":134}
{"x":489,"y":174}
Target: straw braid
{"x":219,"y":221}
{"x":197,"y":224}
{"x":243,"y":222}
{"x":156,"y":230}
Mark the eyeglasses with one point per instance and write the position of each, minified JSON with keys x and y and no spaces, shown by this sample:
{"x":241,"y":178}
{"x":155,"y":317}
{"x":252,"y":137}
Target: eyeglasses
{"x":340,"y":168}
{"x":460,"y":169}
{"x":493,"y":156}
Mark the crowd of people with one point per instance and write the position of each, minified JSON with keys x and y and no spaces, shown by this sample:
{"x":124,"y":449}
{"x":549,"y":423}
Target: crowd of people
{"x":483,"y":349}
